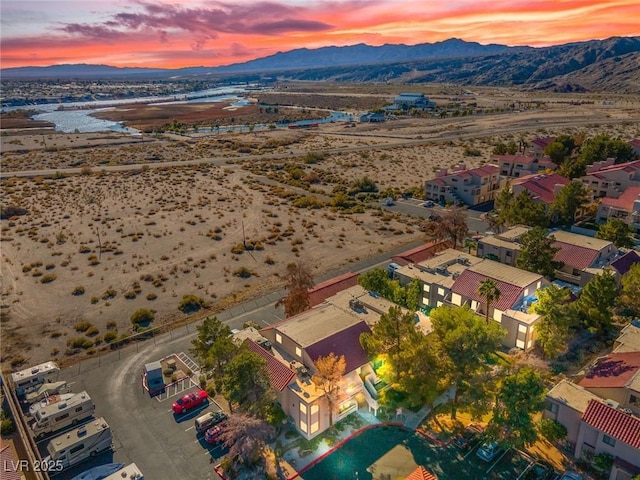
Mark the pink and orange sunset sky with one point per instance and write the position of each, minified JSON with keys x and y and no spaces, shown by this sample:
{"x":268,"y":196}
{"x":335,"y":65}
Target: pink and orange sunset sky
{"x":180,"y":33}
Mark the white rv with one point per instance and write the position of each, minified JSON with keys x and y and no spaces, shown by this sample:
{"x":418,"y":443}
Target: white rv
{"x":49,"y":400}
{"x":77,"y":445}
{"x":39,"y":393}
{"x":130,"y":472}
{"x":62,"y":414}
{"x":33,"y":377}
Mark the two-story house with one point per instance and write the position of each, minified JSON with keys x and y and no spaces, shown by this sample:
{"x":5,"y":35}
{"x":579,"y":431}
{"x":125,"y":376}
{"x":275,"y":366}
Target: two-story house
{"x":626,"y":208}
{"x":542,"y":187}
{"x":471,"y":187}
{"x":539,"y":144}
{"x":519,"y":165}
{"x":502,"y":247}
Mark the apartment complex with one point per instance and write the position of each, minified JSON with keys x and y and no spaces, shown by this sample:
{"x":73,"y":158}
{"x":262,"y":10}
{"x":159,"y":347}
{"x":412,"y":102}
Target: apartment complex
{"x":606,"y":179}
{"x":469,"y":186}
{"x":521,"y":165}
{"x":601,"y":410}
{"x":542,"y":187}
{"x":626,"y":208}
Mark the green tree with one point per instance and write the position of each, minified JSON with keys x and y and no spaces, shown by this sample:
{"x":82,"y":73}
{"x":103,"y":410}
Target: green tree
{"x":413,"y":294}
{"x":463,"y":343}
{"x":596,"y":302}
{"x":537,"y":253}
{"x":552,"y":430}
{"x":500,"y":149}
{"x":569,"y":200}
{"x":525,"y":211}
{"x":329,"y":372}
{"x":389,"y":336}
{"x":557,"y":315}
{"x":618,"y":232}
{"x":213,"y":346}
{"x":299,"y":281}
{"x":489,"y":291}
{"x":519,"y":398}
{"x":142,"y":315}
{"x":376,"y":280}
{"x":630,"y":295}
{"x":420,"y":379}
{"x":557,"y":152}
{"x":245,"y":381}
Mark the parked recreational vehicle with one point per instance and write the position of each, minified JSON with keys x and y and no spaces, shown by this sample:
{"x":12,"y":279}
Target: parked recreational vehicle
{"x":62,"y":414}
{"x":77,"y":445}
{"x":33,"y":377}
{"x":130,"y":472}
{"x":44,"y":390}
{"x":49,"y":400}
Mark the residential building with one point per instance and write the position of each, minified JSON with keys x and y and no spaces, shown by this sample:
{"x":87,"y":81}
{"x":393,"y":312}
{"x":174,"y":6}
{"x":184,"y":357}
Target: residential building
{"x":626,"y":208}
{"x":635,"y":144}
{"x":543,"y":187}
{"x":582,"y":257}
{"x":372,"y":117}
{"x":519,"y":165}
{"x":629,"y":338}
{"x":471,"y":187}
{"x":623,"y":263}
{"x":452,"y":278}
{"x":539,"y":144}
{"x":502,"y":247}
{"x":566,"y":403}
{"x":323,"y":290}
{"x":420,"y":254}
{"x":606,"y":179}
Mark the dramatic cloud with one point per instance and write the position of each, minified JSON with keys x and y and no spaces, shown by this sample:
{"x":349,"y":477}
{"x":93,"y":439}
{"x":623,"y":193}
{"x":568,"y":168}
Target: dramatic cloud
{"x":175,"y":33}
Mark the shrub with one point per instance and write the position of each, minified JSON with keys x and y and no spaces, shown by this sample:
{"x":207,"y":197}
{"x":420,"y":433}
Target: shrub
{"x":7,"y":427}
{"x":191,"y":303}
{"x":110,"y":336}
{"x":151,"y":296}
{"x":237,"y":249}
{"x":243,"y":272}
{"x":79,"y":290}
{"x":94,"y":300}
{"x":48,"y":278}
{"x":79,"y":342}
{"x":109,"y":293}
{"x":17,"y":360}
{"x":552,"y":430}
{"x":142,"y":315}
{"x":92,"y":331}
{"x":130,"y":295}
{"x":112,"y":325}
{"x":83,"y":326}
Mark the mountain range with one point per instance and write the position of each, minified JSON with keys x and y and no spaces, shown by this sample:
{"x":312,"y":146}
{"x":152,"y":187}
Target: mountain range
{"x":611,"y":65}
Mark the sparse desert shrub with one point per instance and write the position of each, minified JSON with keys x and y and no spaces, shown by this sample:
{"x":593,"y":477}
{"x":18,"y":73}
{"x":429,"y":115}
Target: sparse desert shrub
{"x":191,"y":303}
{"x":243,"y":272}
{"x":151,"y":296}
{"x":49,"y":266}
{"x":92,"y":331}
{"x":109,"y":293}
{"x":48,"y":278}
{"x":130,"y":295}
{"x":79,"y":342}
{"x":269,"y":261}
{"x":82,"y":326}
{"x":84,"y":249}
{"x":142,"y":315}
{"x":237,"y":249}
{"x":112,"y":325}
{"x":79,"y":290}
{"x":17,"y":360}
{"x":94,"y":300}
{"x":110,"y":336}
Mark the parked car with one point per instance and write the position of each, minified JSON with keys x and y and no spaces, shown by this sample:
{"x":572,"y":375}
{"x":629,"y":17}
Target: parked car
{"x":388,"y":202}
{"x":208,"y":420}
{"x":488,"y":451}
{"x":428,"y":204}
{"x":540,"y":471}
{"x":212,"y":435}
{"x":189,"y":401}
{"x":468,"y":437}
{"x":571,"y":476}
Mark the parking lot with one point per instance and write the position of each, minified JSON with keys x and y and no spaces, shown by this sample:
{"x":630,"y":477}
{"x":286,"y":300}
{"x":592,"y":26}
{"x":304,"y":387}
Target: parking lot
{"x":145,"y":430}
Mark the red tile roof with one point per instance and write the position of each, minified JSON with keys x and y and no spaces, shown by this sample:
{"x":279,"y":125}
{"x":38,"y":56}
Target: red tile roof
{"x":624,"y":201}
{"x":575,"y":256}
{"x":613,"y":371}
{"x":9,"y":459}
{"x":279,"y":374}
{"x":421,"y":253}
{"x":628,"y":167}
{"x":524,"y":160}
{"x":614,"y":423}
{"x":421,"y":473}
{"x":542,"y":186}
{"x":468,"y":282}
{"x":542,"y":142}
{"x":345,"y":342}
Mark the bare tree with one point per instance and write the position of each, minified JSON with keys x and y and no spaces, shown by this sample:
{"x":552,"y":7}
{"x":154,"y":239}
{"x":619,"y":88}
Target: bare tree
{"x":299,"y":281}
{"x":330,"y":370}
{"x":451,"y":226}
{"x":246,"y":437}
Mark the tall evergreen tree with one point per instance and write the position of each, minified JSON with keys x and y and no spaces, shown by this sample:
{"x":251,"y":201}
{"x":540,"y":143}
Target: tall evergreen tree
{"x":630,"y":295}
{"x":596,"y":302}
{"x":557,"y":315}
{"x":537,"y":253}
{"x":618,"y":232}
{"x":569,"y":200}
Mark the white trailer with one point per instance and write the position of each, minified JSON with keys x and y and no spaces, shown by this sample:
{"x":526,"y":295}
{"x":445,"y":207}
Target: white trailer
{"x":75,"y":446}
{"x":33,"y":377}
{"x":130,"y":472}
{"x":62,"y":414}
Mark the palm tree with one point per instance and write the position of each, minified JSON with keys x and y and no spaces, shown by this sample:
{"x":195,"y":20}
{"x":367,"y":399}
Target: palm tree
{"x":489,"y":291}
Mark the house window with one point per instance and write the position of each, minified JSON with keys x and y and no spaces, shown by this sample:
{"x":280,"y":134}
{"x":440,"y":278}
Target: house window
{"x":278,"y":338}
{"x":633,"y":400}
{"x":314,"y":409}
{"x":299,"y":352}
{"x":608,"y":440}
{"x":508,"y":254}
{"x":426,"y":288}
{"x":441,"y":291}
{"x":303,"y":426}
{"x":552,"y":407}
{"x":522,"y":329}
{"x":315,"y":426}
{"x":303,"y":409}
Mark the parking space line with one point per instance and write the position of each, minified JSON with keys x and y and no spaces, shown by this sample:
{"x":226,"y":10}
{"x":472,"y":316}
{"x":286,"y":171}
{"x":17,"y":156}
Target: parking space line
{"x":497,"y":461}
{"x":190,"y":428}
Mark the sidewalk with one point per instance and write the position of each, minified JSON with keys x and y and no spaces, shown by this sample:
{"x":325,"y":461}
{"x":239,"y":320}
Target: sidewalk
{"x":412,"y":420}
